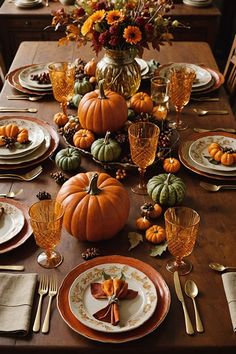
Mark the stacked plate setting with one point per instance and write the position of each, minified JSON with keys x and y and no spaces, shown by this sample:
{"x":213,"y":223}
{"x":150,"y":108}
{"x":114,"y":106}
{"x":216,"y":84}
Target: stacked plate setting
{"x":28,"y":3}
{"x":197,"y":3}
{"x":26,"y":78}
{"x":193,"y":153}
{"x":207,"y":80}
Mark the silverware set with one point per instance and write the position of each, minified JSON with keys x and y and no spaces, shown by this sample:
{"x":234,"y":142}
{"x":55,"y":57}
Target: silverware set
{"x":191,"y":291}
{"x":28,"y":176}
{"x":23,"y":110}
{"x":25,"y":97}
{"x":215,"y":188}
{"x":204,"y":112}
{"x":46,"y":286}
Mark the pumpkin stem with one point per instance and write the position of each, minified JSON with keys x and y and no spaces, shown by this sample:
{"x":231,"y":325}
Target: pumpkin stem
{"x":93,"y":185}
{"x":101,"y":95}
{"x":168,"y":179}
{"x":107,"y":136}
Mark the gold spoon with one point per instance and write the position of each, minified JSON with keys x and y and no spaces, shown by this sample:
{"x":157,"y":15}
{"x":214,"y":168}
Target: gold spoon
{"x":215,"y":188}
{"x":203,"y":112}
{"x":11,"y":194}
{"x":191,"y":290}
{"x":219,"y":267}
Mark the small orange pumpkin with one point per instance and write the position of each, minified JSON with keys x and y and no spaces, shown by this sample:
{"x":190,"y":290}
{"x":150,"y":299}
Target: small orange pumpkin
{"x":9,"y":130}
{"x":171,"y":165}
{"x":227,"y":159}
{"x":143,"y":223}
{"x":101,"y":111}
{"x":155,"y":234}
{"x":23,"y":136}
{"x":83,"y":139}
{"x":60,"y":119}
{"x":150,"y":210}
{"x":141,"y":102}
{"x":90,"y":67}
{"x":215,"y":151}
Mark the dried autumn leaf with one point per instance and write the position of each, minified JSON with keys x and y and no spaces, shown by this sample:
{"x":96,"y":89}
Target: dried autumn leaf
{"x":157,"y":250}
{"x":134,"y":239}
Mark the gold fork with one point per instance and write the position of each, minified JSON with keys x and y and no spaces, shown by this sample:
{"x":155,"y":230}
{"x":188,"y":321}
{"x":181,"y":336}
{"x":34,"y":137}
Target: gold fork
{"x":43,"y":289}
{"x":52,"y":292}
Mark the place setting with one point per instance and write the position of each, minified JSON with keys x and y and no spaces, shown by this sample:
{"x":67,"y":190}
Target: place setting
{"x":26,"y":142}
{"x":27,"y":4}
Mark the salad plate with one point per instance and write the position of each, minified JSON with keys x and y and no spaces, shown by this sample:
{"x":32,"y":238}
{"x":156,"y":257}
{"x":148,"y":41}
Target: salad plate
{"x":11,"y":221}
{"x":133,"y":313}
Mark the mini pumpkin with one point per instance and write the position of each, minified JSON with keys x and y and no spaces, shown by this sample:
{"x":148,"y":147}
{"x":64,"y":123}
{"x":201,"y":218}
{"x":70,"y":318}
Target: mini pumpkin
{"x":141,"y":102}
{"x":150,"y":210}
{"x":155,"y":234}
{"x":60,"y":119}
{"x":171,"y":165}
{"x":76,"y":99}
{"x":227,"y":159}
{"x":100,"y":111}
{"x":83,"y":86}
{"x":9,"y":130}
{"x":166,"y":189}
{"x":90,"y":67}
{"x":143,"y":223}
{"x":215,"y":151}
{"x":23,"y":136}
{"x":106,"y":149}
{"x":92,"y":203}
{"x":68,"y":159}
{"x":83,"y":138}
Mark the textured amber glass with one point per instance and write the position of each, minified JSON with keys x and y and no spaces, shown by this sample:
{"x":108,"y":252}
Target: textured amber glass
{"x":120,"y":71}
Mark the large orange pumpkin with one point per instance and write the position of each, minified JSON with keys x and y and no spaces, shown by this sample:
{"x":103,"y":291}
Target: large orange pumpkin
{"x":96,"y":206}
{"x":100,"y":111}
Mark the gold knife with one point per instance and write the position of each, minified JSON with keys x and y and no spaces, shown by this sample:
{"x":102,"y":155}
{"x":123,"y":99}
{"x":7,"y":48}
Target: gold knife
{"x":12,"y":267}
{"x":179,"y":293}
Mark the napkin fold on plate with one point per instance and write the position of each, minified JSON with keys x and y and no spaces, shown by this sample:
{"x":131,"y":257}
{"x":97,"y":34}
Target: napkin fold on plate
{"x":113,"y":290}
{"x":16,"y":300}
{"x":229,"y":283}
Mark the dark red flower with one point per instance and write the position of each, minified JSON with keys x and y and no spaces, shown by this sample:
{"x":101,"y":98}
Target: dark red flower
{"x":101,"y":5}
{"x":104,"y":38}
{"x":149,"y":29}
{"x":114,"y":30}
{"x":79,"y":12}
{"x":140,"y":21}
{"x":114,"y":41}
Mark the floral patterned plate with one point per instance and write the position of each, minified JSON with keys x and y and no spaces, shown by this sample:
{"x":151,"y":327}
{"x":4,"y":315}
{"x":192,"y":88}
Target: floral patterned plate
{"x":133,"y":313}
{"x":147,"y":327}
{"x":11,"y":222}
{"x":198,"y":151}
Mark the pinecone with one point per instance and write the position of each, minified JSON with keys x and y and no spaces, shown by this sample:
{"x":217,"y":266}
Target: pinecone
{"x":42,"y":195}
{"x":59,"y":177}
{"x":69,"y":132}
{"x":121,"y":138}
{"x":9,"y":142}
{"x":91,"y":253}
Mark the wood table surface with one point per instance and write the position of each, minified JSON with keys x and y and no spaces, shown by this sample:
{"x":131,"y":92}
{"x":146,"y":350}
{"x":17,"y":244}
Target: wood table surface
{"x":216,"y":240}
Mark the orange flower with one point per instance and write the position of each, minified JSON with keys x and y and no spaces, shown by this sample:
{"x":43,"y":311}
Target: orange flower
{"x":86,"y":26}
{"x":114,"y":17}
{"x":132,"y":34}
{"x":98,"y":16}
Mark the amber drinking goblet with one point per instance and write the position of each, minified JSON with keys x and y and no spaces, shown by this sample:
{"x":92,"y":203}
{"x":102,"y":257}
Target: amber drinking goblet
{"x":160,"y":96}
{"x":181,"y":81}
{"x":46,"y":219}
{"x":62,"y":76}
{"x":181,"y":225}
{"x":143,"y":140}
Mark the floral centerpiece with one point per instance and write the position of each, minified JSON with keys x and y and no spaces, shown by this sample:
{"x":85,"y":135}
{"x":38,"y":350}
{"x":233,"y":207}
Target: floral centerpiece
{"x":123,"y":28}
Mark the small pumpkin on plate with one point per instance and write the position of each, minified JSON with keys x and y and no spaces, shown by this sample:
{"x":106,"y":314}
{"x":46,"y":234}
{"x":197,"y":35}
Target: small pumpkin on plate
{"x":83,"y":138}
{"x":215,"y":151}
{"x":155,"y":234}
{"x":9,"y":130}
{"x":171,"y":165}
{"x":92,"y":203}
{"x":60,"y":119}
{"x":143,"y":223}
{"x":227,"y":159}
{"x":23,"y":136}
{"x":166,"y":189}
{"x":141,"y":102}
{"x":68,"y":159}
{"x":106,"y":149}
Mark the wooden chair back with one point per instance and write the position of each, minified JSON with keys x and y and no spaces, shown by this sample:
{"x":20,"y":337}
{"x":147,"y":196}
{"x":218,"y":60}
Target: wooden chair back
{"x":230,"y":73}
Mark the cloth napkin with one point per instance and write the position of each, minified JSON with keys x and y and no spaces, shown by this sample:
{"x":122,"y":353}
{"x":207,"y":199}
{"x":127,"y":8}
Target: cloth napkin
{"x":229,"y":283}
{"x":16,"y":300}
{"x":113,"y":290}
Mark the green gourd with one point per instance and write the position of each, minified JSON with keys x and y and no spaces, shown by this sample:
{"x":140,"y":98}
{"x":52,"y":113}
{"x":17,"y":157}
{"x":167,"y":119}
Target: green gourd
{"x":106,"y":149}
{"x":68,"y":159}
{"x":166,"y":189}
{"x":83,"y":86}
{"x":76,"y":99}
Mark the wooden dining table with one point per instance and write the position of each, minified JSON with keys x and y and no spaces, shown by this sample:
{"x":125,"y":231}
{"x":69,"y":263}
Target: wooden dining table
{"x":216,"y":241}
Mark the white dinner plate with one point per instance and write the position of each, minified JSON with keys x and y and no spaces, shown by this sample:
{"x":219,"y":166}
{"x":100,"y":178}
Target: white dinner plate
{"x":33,"y":155}
{"x":25,"y":76}
{"x":143,"y":66}
{"x":11,"y":222}
{"x":197,"y":3}
{"x":203,"y":76}
{"x":133,"y":313}
{"x":198,"y":152}
{"x":36,"y":137}
{"x":28,"y":4}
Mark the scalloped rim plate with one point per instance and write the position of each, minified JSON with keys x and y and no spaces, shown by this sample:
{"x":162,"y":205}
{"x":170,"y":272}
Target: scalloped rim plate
{"x":133,"y":313}
{"x":11,"y":222}
{"x":198,"y":151}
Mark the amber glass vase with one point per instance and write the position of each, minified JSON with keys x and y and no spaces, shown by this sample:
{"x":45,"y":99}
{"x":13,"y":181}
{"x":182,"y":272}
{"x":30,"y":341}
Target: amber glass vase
{"x":120,"y":72}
